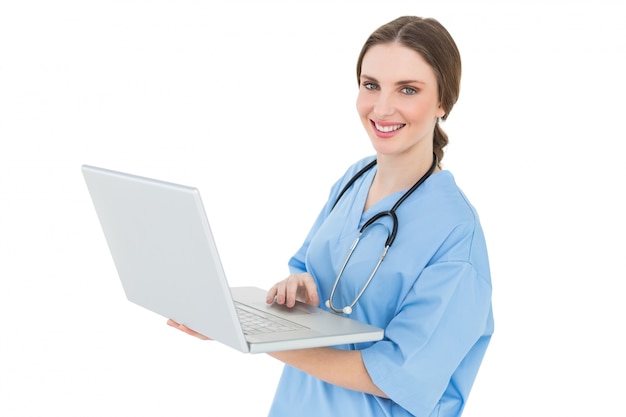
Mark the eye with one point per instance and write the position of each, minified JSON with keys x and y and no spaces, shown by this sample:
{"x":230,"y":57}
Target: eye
{"x":409,"y":91}
{"x":370,"y":85}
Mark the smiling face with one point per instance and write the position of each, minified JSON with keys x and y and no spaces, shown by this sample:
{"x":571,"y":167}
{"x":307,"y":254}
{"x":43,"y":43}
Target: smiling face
{"x":398,"y":101}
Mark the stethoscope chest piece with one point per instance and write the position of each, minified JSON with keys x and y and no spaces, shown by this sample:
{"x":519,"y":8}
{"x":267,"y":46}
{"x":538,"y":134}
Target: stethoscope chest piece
{"x":345,"y":310}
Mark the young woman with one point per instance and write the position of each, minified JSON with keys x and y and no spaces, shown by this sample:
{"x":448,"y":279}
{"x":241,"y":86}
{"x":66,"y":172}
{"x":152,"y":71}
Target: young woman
{"x":432,"y":290}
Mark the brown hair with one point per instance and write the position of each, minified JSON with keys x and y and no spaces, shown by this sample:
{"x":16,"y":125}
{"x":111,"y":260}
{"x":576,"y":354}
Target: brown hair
{"x":433,"y":42}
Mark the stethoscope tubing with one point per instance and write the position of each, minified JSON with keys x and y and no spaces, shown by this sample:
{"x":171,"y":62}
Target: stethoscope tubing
{"x":390,"y":239}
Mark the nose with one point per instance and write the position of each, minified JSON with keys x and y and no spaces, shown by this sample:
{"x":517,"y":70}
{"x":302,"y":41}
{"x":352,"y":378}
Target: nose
{"x":384,"y":106}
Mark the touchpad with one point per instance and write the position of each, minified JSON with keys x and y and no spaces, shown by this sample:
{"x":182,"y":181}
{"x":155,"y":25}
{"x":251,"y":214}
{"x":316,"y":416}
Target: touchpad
{"x":298,"y":309}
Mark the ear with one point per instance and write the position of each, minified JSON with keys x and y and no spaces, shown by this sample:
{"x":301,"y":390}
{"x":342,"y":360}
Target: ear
{"x":440,"y":112}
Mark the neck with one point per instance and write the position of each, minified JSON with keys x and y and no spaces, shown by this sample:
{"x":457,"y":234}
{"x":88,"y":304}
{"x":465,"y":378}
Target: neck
{"x":394,"y":175}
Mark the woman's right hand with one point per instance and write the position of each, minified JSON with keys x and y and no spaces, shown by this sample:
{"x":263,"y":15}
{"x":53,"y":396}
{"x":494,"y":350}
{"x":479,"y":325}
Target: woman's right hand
{"x":186,"y":329}
{"x":299,"y":287}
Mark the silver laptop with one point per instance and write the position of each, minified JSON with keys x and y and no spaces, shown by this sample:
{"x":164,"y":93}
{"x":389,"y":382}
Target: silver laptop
{"x":167,"y":260}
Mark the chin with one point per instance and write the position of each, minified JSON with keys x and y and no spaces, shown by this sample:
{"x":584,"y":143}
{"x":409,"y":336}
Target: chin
{"x":383,"y":147}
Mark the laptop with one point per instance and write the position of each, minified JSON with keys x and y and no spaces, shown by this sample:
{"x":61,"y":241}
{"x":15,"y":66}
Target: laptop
{"x":167,"y":261}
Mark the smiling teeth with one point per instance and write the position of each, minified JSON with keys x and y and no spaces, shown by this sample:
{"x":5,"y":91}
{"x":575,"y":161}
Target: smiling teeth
{"x":387,"y":129}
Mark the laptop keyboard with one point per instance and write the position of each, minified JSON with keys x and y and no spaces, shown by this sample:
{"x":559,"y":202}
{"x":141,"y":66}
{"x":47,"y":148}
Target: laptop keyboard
{"x":256,"y":322}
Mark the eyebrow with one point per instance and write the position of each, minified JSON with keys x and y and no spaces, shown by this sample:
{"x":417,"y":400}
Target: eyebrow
{"x":401,"y":82}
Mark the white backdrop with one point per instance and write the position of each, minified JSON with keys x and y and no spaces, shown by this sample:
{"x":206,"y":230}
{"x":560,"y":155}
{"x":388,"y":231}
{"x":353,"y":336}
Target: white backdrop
{"x":254,"y":104}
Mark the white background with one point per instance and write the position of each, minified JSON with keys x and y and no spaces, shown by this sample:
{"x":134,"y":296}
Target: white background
{"x":254,"y":104}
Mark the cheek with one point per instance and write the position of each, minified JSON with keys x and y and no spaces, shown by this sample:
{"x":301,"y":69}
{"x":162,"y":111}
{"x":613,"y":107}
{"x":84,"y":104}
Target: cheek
{"x":363,"y":105}
{"x":419,"y":112}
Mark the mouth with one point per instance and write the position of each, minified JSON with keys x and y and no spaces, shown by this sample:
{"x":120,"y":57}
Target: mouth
{"x":387,"y":127}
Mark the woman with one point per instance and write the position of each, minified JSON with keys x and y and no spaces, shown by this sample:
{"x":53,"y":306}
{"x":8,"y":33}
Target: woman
{"x":432,"y":291}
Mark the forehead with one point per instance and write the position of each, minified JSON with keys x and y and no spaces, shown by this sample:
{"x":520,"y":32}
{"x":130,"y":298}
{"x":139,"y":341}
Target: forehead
{"x":393,"y":62}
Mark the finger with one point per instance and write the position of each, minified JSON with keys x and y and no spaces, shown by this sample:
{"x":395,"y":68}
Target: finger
{"x":312,"y":296}
{"x":292,"y":289}
{"x":271,"y":295}
{"x":192,"y":332}
{"x":186,"y":329}
{"x":281,"y":289}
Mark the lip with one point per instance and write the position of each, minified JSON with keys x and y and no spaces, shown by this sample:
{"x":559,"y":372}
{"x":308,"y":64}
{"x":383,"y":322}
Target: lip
{"x":386,"y":135}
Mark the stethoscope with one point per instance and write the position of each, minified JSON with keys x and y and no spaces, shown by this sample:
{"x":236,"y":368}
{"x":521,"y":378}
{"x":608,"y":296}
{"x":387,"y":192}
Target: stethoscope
{"x":392,"y":236}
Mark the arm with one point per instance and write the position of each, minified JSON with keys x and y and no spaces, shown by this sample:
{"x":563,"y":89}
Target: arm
{"x":344,"y":368}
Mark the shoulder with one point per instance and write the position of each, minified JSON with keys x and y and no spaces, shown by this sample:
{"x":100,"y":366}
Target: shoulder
{"x":352,"y":173}
{"x":447,"y":199}
{"x":452,"y":222}
{"x":356,"y":167}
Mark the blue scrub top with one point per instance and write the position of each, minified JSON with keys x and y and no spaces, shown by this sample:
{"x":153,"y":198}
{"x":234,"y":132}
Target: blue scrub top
{"x":431,"y":294}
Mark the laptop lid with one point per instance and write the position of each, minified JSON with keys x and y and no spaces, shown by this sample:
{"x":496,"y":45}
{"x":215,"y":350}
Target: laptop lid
{"x":167,"y":260}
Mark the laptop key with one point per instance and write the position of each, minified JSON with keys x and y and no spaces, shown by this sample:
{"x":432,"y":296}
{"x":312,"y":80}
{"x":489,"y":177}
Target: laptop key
{"x":256,"y":323}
